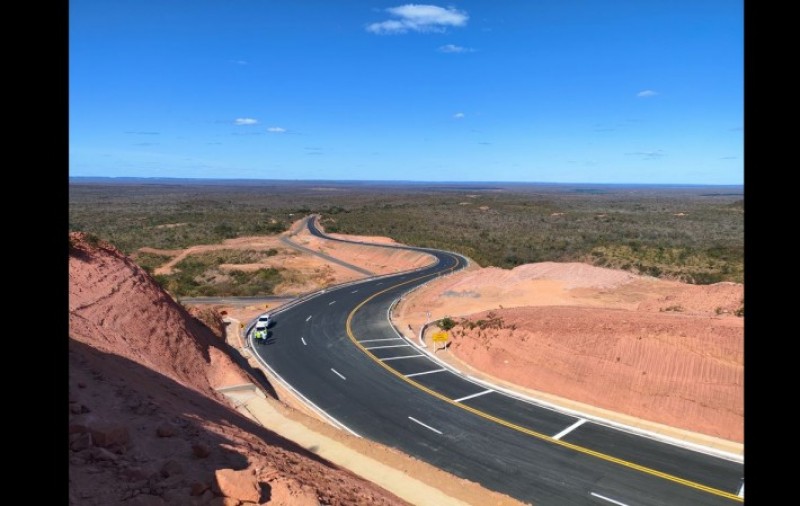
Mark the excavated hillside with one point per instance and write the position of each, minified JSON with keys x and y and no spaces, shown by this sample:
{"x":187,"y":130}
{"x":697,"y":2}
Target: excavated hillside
{"x":146,"y":424}
{"x":659,"y":350}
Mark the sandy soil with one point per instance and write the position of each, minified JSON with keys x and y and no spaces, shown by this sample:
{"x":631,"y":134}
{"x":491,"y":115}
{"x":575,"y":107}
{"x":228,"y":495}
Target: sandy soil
{"x":660,"y":350}
{"x":376,"y":260}
{"x":304,"y":272}
{"x":644,"y":364}
{"x":373,"y":239}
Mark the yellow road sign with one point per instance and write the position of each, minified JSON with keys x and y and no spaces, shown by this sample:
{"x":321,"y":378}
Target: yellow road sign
{"x":440,"y":336}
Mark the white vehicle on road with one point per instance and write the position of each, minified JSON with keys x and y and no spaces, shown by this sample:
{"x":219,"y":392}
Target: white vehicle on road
{"x":260,"y":331}
{"x":265,"y":319}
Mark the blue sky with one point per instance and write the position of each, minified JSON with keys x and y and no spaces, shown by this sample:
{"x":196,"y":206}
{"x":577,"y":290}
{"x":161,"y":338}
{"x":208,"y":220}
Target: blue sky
{"x":602,"y":91}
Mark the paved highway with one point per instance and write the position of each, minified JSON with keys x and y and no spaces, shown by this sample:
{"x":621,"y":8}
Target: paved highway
{"x":340,"y":352}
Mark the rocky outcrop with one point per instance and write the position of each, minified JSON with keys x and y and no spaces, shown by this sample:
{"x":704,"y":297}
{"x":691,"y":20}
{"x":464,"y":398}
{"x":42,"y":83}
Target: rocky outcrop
{"x":241,"y":485}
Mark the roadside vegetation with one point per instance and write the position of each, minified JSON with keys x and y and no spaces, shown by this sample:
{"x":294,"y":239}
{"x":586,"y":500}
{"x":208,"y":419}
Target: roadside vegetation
{"x":202,"y":275}
{"x":150,"y":261}
{"x":446,"y":323}
{"x":174,"y":216}
{"x":691,"y":234}
{"x":686,"y":237}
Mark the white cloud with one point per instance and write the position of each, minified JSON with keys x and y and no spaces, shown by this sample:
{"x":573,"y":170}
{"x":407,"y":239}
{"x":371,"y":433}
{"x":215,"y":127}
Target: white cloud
{"x":387,"y":27}
{"x":245,"y":121}
{"x":276,"y":130}
{"x":239,"y":62}
{"x":452,"y":48}
{"x":459,"y":115}
{"x":430,"y":15}
{"x":647,"y":94}
{"x":419,"y":18}
{"x":648,"y":155}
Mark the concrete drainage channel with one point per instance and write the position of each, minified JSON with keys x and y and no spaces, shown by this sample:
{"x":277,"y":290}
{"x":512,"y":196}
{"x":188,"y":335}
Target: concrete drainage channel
{"x":239,"y":394}
{"x":250,"y":401}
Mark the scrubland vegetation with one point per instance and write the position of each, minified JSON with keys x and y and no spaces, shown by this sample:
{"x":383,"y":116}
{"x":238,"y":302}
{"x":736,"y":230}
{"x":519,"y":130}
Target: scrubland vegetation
{"x":201,"y":275}
{"x":695,"y":234}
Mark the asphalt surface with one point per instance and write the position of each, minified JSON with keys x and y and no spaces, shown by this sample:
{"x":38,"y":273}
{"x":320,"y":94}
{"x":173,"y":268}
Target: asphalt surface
{"x":339,"y":350}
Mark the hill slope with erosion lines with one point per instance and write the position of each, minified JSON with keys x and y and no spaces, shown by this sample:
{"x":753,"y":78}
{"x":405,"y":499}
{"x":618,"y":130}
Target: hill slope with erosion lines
{"x":146,"y":424}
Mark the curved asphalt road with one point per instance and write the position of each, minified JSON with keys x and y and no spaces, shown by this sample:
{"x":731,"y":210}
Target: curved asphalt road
{"x":339,"y":350}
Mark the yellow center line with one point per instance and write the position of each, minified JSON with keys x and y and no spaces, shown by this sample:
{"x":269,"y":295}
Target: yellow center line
{"x":524,"y":430}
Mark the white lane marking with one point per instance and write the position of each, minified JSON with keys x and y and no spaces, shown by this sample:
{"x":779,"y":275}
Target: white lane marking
{"x":376,"y":340}
{"x":392,"y":346}
{"x":602,"y":421}
{"x":401,"y":358}
{"x":608,"y":499}
{"x":474,"y":395}
{"x":741,"y":491}
{"x":331,"y":303}
{"x":379,"y":284}
{"x":309,"y":317}
{"x":305,"y":399}
{"x":426,"y":372}
{"x":338,"y":373}
{"x":354,"y":291}
{"x":569,"y":429}
{"x":304,"y":341}
{"x":424,"y":425}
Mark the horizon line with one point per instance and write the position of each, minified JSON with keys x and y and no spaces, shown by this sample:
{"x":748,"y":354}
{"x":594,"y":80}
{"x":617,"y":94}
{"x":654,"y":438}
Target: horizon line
{"x":394,"y":181}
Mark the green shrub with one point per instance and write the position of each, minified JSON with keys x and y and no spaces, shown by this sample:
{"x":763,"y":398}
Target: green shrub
{"x":446,"y":323}
{"x":92,"y":240}
{"x":150,"y":261}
